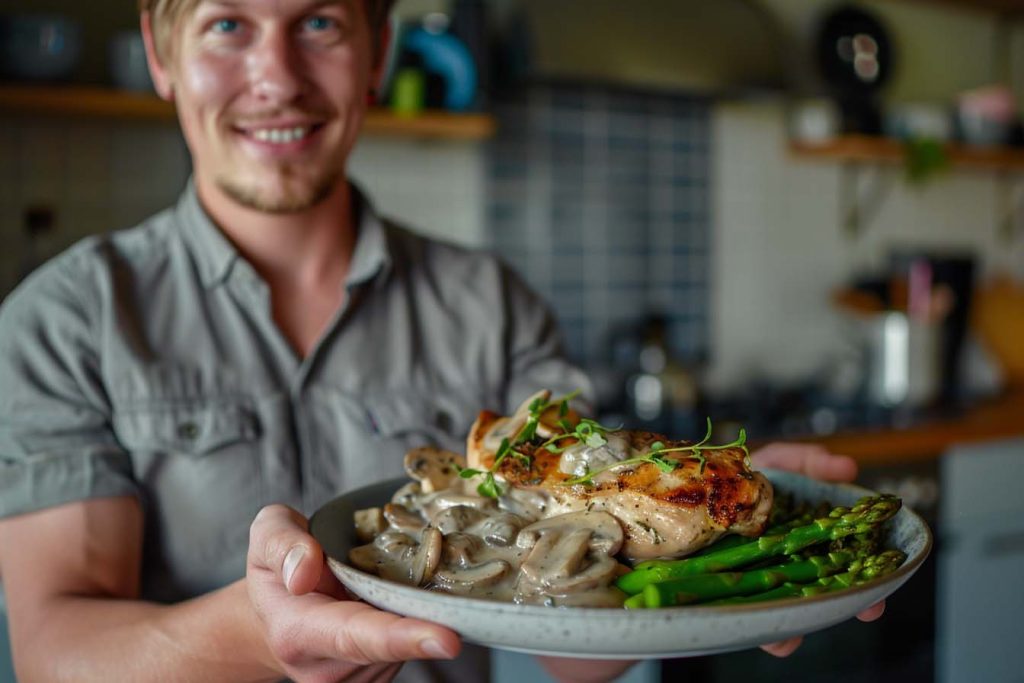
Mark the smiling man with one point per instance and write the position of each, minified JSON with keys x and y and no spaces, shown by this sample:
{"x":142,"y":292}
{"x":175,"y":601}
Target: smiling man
{"x":178,"y":397}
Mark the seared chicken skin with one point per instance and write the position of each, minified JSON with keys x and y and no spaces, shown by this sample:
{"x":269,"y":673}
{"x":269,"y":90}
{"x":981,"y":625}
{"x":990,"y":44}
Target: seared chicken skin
{"x":665,"y":511}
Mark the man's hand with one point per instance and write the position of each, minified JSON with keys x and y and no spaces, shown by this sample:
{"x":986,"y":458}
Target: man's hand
{"x":313,"y":630}
{"x":816,"y":462}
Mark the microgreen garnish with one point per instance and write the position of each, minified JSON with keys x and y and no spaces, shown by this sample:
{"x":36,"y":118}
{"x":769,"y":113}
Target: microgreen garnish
{"x":489,"y":487}
{"x":594,"y":435}
{"x":656,"y":456}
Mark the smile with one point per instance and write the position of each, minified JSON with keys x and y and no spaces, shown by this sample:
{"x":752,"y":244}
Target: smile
{"x":281,"y":136}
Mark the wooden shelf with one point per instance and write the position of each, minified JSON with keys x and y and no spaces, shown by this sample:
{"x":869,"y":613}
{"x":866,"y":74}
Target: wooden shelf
{"x":867,"y":149}
{"x":95,"y":102}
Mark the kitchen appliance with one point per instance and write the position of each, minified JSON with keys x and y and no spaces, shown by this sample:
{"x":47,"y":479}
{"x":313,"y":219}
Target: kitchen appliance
{"x":950,"y":275}
{"x":855,"y":56}
{"x":902,"y":359}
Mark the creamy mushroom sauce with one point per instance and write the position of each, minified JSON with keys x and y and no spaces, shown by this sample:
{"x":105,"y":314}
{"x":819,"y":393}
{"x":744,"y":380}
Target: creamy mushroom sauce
{"x":448,"y":540}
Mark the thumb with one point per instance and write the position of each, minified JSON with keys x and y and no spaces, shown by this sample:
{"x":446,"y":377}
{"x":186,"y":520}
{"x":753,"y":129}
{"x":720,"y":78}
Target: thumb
{"x":279,"y":541}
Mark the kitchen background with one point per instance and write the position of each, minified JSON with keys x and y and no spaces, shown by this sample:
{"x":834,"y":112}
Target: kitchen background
{"x":656,"y":170}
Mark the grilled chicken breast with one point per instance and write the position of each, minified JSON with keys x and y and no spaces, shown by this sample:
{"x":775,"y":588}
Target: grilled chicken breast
{"x":667,"y":509}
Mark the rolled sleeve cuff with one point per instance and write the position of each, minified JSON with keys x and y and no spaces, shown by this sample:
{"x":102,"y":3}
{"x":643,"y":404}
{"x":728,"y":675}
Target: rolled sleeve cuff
{"x":41,"y":481}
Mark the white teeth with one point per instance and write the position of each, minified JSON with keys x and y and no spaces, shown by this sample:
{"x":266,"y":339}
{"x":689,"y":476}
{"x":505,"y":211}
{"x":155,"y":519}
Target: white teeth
{"x":279,"y":136}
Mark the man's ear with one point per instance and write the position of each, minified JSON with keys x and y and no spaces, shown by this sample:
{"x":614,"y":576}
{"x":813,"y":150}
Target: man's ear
{"x":157,"y":71}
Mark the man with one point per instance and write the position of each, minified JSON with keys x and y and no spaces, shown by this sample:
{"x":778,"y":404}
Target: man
{"x":167,"y":391}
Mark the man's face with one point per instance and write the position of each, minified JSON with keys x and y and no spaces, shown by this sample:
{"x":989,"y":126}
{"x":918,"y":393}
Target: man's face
{"x":271,"y":95}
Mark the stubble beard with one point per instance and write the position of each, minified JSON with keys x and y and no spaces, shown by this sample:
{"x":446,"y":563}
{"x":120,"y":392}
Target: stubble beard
{"x":292,"y":200}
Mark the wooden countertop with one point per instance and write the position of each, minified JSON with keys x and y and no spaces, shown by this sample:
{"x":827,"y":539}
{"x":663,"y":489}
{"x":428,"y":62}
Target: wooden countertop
{"x":998,"y":418}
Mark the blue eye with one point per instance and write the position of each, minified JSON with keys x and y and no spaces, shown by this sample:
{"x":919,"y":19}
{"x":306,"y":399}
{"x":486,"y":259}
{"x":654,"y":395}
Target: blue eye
{"x":225,"y":26}
{"x":319,"y":23}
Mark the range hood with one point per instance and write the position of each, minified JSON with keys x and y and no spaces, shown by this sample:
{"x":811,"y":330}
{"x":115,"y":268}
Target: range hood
{"x":706,"y":47}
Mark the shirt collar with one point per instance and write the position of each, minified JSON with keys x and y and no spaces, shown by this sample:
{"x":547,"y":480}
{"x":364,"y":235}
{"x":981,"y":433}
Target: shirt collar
{"x":213,"y":252}
{"x":371,"y":255}
{"x":215,"y":255}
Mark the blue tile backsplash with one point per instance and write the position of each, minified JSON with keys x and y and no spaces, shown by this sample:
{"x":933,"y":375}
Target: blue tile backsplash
{"x":600,"y":198}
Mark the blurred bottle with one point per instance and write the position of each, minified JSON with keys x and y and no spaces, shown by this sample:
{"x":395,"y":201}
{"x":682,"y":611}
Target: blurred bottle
{"x":409,"y":85}
{"x":663,"y":393}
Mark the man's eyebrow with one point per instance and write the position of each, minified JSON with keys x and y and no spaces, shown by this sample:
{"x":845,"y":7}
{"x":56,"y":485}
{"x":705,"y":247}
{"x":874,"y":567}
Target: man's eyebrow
{"x":314,"y":4}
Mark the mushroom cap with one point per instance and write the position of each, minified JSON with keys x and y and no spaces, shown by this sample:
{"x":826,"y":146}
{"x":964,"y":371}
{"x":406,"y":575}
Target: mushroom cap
{"x":433,"y":468}
{"x":403,"y":519}
{"x":605,"y":531}
{"x":462,"y":579}
{"x":427,"y":557}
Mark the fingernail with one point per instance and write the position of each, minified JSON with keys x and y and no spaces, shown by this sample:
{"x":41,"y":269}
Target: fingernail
{"x":291,"y":561}
{"x":433,"y":648}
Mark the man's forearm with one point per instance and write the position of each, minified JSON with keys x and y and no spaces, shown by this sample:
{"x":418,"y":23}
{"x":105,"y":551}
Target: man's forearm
{"x":213,"y":637}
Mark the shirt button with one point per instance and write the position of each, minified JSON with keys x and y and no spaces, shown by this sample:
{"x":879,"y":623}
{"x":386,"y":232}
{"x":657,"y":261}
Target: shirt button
{"x":188,"y":430}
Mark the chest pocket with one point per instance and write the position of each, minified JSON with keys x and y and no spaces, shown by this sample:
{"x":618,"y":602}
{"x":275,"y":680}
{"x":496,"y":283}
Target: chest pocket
{"x":201,"y":467}
{"x":375,"y":431}
{"x":188,"y":430}
{"x":418,"y":420}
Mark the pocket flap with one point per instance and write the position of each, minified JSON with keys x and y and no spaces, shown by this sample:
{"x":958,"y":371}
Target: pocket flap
{"x":401,"y":414}
{"x":194,"y":430}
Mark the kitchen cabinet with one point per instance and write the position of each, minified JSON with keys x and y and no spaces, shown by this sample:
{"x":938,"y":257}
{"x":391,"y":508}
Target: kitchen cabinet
{"x":64,"y":101}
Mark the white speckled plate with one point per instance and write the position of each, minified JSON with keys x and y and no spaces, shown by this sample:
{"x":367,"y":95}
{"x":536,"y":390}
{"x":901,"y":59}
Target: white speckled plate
{"x":614,"y":633}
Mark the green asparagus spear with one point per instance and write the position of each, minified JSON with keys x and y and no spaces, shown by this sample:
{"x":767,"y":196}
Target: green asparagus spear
{"x":860,"y":571}
{"x":736,"y":540}
{"x":704,"y":587}
{"x":635,"y":602}
{"x":841,"y":521}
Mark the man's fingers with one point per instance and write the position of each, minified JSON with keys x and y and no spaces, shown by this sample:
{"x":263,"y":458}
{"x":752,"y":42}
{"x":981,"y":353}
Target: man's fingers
{"x":873,"y":612}
{"x":809,"y":459}
{"x":783,"y":648}
{"x":278,"y":541}
{"x":358,"y":633}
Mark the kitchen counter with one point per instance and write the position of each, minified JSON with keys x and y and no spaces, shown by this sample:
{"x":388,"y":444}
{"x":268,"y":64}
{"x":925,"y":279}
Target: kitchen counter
{"x":993,"y":419}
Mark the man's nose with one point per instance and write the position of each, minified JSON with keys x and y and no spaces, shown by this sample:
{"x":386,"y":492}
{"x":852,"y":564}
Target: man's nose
{"x":275,"y":69}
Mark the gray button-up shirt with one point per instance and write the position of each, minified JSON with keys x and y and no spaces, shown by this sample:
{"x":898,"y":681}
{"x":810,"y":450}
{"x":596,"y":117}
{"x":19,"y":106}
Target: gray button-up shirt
{"x":147,"y":362}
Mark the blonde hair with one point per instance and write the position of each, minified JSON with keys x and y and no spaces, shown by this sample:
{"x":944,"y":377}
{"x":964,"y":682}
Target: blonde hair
{"x":165,"y":15}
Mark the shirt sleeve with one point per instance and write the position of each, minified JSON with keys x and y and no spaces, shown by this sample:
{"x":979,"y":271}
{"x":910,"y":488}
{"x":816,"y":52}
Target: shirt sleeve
{"x":56,"y":442}
{"x":536,"y":351}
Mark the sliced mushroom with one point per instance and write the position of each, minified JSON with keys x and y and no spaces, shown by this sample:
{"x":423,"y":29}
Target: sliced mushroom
{"x":530,"y":504}
{"x":365,"y":557}
{"x":427,"y":557}
{"x":388,"y":556}
{"x":408,"y":495}
{"x":457,"y":518}
{"x":557,"y":553}
{"x":498,"y":530}
{"x":369,"y":523}
{"x":403,"y":519}
{"x":462,"y":580}
{"x":434,"y":468}
{"x":600,"y":572}
{"x":569,"y":553}
{"x":460,"y":549}
{"x":433,"y":504}
{"x":606,"y":532}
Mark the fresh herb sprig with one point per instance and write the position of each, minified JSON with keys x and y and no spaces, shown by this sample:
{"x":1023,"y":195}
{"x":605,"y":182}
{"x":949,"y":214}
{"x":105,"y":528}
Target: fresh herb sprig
{"x":489,"y":487}
{"x":656,"y":456}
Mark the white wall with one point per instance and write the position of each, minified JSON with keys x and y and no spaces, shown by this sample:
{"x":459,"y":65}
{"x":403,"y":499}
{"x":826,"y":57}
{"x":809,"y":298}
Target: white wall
{"x":779,"y":247}
{"x":433,"y":186}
